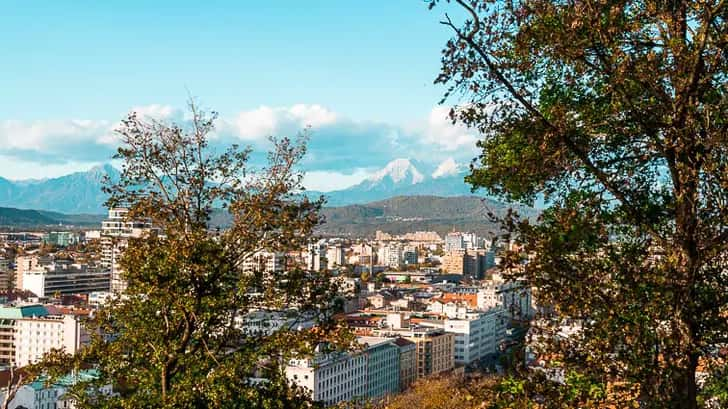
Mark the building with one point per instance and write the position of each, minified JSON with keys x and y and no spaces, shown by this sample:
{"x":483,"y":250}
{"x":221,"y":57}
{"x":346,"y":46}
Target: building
{"x":409,"y":255}
{"x":513,"y":296}
{"x":382,"y":366}
{"x":7,"y":275}
{"x":116,"y":231}
{"x":8,"y":317}
{"x":478,"y":334}
{"x":65,"y":278}
{"x":454,"y":241}
{"x":335,"y":256}
{"x":60,"y":238}
{"x":407,"y":362}
{"x":41,"y":395}
{"x":316,"y":258}
{"x":37,"y":335}
{"x":435,"y":347}
{"x":265,"y":261}
{"x":472,"y":263}
{"x":390,"y":255}
{"x":334,"y":377}
{"x":27,"y":263}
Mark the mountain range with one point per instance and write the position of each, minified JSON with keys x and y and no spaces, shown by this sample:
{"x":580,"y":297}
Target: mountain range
{"x":402,"y":177}
{"x":77,"y":193}
{"x":80,"y":193}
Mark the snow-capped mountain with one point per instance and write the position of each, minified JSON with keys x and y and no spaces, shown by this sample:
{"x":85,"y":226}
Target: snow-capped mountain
{"x":81,"y":192}
{"x":403,"y":177}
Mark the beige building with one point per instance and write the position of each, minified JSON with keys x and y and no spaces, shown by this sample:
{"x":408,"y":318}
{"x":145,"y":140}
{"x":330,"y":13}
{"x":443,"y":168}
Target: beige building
{"x":435,"y":348}
{"x":454,"y":262}
{"x":27,"y":263}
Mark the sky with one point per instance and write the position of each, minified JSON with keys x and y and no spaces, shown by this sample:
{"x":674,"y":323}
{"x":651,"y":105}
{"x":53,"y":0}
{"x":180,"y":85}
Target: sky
{"x":360,"y":74}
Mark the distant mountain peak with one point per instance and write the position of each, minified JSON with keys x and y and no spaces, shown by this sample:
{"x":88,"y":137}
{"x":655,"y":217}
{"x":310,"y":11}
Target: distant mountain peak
{"x":105,"y":169}
{"x":399,"y":170}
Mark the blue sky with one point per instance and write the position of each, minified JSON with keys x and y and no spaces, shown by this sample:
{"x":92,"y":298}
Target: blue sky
{"x":360,"y":73}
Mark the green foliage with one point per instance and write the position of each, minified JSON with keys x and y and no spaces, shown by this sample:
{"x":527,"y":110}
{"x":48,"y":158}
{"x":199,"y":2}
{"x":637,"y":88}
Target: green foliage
{"x":614,"y":112}
{"x":176,"y":336}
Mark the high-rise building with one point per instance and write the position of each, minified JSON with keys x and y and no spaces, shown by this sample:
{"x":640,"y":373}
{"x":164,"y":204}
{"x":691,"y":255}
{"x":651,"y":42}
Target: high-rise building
{"x":116,"y":231}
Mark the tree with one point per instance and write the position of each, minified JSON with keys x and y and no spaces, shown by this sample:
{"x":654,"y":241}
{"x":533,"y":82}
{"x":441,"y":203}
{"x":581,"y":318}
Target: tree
{"x":456,"y":392}
{"x":613,"y":113}
{"x":177,"y":336}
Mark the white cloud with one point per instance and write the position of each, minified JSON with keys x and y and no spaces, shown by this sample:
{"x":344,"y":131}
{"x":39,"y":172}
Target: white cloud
{"x":338,"y":151}
{"x":448,"y":167}
{"x":158,"y":112}
{"x":326,"y":181}
{"x":264,"y":121}
{"x":440,"y":131}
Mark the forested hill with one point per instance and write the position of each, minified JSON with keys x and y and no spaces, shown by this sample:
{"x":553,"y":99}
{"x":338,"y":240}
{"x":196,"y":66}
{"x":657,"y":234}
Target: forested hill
{"x":412,"y":213}
{"x":11,"y":217}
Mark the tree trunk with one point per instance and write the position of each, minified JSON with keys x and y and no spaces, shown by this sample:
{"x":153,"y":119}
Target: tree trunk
{"x":685,"y":392}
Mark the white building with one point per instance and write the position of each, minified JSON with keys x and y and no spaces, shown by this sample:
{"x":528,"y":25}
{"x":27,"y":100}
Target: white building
{"x":35,"y":336}
{"x":454,"y":241}
{"x":513,"y":296}
{"x":39,"y":395}
{"x":115,"y":234}
{"x":335,"y":256}
{"x":478,"y":334}
{"x":335,"y":377}
{"x":390,"y":255}
{"x":265,"y":261}
{"x":316,"y":258}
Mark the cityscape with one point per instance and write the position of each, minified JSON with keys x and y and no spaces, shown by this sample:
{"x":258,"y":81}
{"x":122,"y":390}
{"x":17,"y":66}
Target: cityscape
{"x":464,"y":204}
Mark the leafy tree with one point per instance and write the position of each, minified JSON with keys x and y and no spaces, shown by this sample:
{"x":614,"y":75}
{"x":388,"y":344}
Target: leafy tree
{"x":613,"y":113}
{"x":456,"y":392}
{"x":177,"y":336}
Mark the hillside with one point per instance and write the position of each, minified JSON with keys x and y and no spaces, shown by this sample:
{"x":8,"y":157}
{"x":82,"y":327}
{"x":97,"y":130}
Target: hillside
{"x":11,"y":217}
{"x":411,"y":213}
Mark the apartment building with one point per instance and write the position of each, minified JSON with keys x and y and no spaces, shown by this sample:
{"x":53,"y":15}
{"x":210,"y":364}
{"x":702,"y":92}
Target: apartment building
{"x":435,"y":348}
{"x":334,"y":377}
{"x":514,"y":296}
{"x":37,"y":335}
